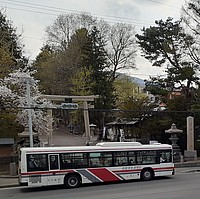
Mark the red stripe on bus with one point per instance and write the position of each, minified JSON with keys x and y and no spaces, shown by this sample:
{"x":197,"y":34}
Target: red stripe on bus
{"x":46,"y":172}
{"x":163,"y":168}
{"x":104,"y":174}
{"x":138,"y":170}
{"x":128,"y":170}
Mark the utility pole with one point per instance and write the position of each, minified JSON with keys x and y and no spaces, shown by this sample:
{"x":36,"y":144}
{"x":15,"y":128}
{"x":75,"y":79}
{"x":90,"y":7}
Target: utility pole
{"x":29,"y":111}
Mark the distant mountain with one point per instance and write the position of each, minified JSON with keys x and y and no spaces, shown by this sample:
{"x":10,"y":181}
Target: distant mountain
{"x":138,"y":81}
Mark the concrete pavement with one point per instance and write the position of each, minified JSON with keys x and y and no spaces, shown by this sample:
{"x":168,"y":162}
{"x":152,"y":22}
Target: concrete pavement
{"x":8,"y":181}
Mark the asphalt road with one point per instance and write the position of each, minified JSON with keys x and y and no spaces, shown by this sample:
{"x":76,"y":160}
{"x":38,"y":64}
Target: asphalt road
{"x":180,"y":186}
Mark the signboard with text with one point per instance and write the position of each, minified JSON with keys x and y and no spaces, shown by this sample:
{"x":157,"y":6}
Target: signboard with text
{"x":69,"y":106}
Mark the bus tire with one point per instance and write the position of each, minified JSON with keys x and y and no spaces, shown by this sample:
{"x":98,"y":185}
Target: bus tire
{"x":72,"y":180}
{"x":147,"y":174}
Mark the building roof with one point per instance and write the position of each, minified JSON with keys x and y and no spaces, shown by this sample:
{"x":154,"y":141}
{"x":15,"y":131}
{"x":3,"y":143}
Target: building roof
{"x":6,"y":141}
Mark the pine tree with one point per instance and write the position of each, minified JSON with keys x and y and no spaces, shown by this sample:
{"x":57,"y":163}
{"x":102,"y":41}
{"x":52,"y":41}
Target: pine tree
{"x":91,"y":55}
{"x":11,"y":57}
{"x":103,"y":86}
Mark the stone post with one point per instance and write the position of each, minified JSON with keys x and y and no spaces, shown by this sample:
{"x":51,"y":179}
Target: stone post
{"x":190,"y":133}
{"x":190,"y":154}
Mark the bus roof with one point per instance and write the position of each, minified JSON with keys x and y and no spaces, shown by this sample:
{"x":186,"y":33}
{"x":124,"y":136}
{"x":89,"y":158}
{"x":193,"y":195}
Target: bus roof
{"x":109,"y":146}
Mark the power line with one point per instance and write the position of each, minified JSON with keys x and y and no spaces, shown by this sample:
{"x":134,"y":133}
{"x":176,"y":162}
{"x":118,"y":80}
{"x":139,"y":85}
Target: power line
{"x":75,"y":11}
{"x":26,"y":10}
{"x":58,"y":10}
{"x":108,"y":20}
{"x":164,"y":4}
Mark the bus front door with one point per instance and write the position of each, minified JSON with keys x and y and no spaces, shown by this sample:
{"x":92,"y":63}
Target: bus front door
{"x":54,"y":166}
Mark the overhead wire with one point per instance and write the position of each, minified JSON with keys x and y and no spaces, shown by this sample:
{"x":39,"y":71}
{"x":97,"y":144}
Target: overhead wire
{"x":60,"y":10}
{"x":108,"y":18}
{"x":153,"y":1}
{"x":75,"y":11}
{"x":50,"y":9}
{"x":55,"y":11}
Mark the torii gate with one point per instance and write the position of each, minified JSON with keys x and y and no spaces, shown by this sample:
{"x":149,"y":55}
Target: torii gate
{"x":84,"y":99}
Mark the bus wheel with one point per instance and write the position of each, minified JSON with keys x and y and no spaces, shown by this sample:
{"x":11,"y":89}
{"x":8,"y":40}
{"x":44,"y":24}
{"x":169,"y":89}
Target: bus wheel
{"x":72,"y":181}
{"x":147,"y":174}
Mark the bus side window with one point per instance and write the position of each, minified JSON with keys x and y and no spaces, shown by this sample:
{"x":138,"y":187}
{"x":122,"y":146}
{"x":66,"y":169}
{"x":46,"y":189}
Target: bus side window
{"x":121,"y":161}
{"x":32,"y":163}
{"x":165,"y":156}
{"x":37,"y":162}
{"x":131,"y":161}
{"x":132,"y":157}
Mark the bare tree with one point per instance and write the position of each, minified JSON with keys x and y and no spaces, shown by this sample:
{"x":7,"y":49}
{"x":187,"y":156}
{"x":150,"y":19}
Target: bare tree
{"x":191,"y":15}
{"x":191,"y":22}
{"x":119,"y":38}
{"x":59,"y":33}
{"x":121,"y":47}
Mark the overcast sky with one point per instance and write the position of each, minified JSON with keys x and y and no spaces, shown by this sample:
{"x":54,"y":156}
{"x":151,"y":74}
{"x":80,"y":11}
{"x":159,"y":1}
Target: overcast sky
{"x":32,"y":17}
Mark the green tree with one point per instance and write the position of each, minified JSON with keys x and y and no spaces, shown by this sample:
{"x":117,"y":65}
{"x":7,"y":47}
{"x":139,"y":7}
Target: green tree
{"x":103,"y":85}
{"x":125,"y":89}
{"x":91,"y":55}
{"x":6,"y":62}
{"x":54,"y":70}
{"x":167,"y":45}
{"x":136,"y":107}
{"x":44,"y":67}
{"x":9,"y":128}
{"x":81,"y":82}
{"x":11,"y":56}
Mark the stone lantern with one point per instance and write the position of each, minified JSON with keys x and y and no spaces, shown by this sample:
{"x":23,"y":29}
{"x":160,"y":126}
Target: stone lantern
{"x":24,"y":139}
{"x":92,"y":130}
{"x":173,"y":131}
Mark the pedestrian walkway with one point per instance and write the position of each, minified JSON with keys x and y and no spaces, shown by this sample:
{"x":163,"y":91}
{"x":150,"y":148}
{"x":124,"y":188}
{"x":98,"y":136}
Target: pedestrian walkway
{"x":8,"y":181}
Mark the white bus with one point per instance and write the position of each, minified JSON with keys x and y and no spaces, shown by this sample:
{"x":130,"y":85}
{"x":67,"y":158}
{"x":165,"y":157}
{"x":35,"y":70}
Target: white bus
{"x":105,"y":162}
